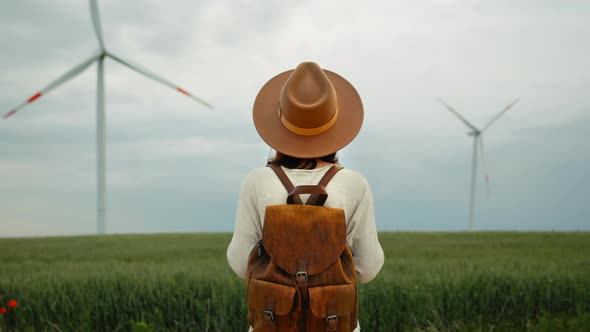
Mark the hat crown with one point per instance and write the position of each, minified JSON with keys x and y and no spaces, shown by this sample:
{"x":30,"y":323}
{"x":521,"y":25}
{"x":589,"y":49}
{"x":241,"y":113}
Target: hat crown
{"x":308,"y":98}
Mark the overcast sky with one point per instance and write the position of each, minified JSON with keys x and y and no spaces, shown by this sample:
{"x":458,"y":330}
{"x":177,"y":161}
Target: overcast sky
{"x":175,"y":166}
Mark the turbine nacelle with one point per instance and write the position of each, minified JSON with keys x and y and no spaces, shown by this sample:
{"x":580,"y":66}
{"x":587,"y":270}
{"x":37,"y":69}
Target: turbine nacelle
{"x":474,"y":133}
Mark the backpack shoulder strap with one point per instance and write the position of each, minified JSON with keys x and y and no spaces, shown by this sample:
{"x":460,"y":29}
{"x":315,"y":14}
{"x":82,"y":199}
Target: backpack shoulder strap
{"x":329,"y":175}
{"x":317,"y":199}
{"x":285,"y":181}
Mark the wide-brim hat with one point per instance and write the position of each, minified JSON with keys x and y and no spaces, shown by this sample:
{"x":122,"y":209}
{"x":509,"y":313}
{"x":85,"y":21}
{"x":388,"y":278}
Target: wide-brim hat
{"x":308,"y":112}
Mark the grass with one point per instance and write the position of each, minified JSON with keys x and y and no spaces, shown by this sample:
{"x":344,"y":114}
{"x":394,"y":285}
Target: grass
{"x":488,"y":281}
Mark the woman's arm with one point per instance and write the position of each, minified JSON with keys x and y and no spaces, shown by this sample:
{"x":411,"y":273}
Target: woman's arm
{"x":247,"y":228}
{"x":368,"y":254}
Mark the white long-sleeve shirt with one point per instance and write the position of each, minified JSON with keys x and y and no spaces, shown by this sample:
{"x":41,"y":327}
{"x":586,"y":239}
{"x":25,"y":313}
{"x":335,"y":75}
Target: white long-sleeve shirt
{"x":348,"y":190}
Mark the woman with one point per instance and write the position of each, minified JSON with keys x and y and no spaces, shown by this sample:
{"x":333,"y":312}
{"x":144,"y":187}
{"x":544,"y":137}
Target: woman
{"x":307,"y":115}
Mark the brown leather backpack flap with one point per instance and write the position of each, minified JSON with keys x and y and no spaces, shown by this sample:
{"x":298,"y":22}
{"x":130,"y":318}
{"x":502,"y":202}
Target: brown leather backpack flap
{"x":304,"y":238}
{"x":336,"y":300}
{"x":268,"y":296}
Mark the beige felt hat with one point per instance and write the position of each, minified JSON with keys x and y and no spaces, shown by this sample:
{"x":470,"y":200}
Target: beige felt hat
{"x":308,"y":112}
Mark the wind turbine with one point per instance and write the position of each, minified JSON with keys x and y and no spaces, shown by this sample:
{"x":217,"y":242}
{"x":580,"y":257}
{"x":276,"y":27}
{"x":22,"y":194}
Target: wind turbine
{"x":477,"y":141}
{"x":99,"y":57}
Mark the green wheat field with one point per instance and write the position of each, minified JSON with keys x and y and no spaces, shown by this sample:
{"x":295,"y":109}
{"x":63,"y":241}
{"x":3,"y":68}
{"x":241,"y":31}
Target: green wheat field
{"x":480,"y":281}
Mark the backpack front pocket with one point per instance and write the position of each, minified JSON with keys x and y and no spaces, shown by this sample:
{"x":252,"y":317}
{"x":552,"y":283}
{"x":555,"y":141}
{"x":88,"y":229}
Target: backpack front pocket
{"x":269,"y":305}
{"x":332,"y":307}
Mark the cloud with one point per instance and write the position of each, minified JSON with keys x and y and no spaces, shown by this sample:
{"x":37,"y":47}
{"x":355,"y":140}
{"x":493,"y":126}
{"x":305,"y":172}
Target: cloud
{"x":171,"y":159}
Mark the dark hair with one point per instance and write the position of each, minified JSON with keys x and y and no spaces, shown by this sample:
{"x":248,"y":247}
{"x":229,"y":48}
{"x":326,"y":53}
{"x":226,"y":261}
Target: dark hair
{"x":287,"y":161}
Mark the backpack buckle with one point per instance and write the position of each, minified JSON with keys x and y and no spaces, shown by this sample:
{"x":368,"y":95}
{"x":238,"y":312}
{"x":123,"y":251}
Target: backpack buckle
{"x":268,"y":316}
{"x":332,"y":322}
{"x":301,"y":277}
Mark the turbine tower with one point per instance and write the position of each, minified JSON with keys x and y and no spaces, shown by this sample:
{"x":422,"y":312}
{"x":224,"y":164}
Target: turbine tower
{"x":477,"y":142}
{"x":99,"y":58}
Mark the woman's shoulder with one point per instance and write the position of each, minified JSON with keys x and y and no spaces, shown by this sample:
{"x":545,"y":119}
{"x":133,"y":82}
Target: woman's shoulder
{"x":258,"y":172}
{"x":256,"y":176}
{"x":352,"y":180}
{"x":345,"y":176}
{"x":352,"y":176}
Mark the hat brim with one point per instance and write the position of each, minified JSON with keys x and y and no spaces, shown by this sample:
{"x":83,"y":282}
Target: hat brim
{"x":274,"y":133}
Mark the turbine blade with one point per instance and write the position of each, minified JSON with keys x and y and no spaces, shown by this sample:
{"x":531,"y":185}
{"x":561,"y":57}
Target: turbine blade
{"x":96,"y":22}
{"x":59,"y":81}
{"x":484,"y":166}
{"x":458,"y":115}
{"x":500,"y":114}
{"x":157,"y":78}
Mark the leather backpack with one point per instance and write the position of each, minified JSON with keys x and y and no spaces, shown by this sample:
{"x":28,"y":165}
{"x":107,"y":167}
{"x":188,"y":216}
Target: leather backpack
{"x":301,"y":274}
